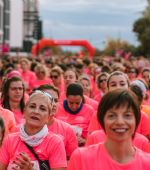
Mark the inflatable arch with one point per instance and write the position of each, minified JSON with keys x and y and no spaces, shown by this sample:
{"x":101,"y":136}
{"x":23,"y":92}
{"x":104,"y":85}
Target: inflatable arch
{"x":49,"y":42}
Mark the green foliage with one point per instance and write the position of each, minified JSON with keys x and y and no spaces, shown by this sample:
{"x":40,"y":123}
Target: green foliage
{"x":142,"y":29}
{"x":113,"y":45}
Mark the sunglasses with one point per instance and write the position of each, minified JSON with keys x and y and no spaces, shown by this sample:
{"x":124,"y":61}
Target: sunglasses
{"x":103,"y":80}
{"x":132,"y":71}
{"x":55,"y":77}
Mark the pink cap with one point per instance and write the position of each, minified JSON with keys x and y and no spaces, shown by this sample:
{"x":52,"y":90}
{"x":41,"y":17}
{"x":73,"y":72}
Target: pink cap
{"x":13,"y":73}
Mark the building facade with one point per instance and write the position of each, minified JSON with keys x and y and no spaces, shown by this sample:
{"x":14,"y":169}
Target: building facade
{"x":32,"y":24}
{"x":6,"y":22}
{"x":1,"y":21}
{"x":16,"y":24}
{"x":20,"y":26}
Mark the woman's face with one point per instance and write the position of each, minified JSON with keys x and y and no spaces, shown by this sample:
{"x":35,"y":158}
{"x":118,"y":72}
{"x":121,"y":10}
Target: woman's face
{"x":86,"y":87}
{"x":119,"y":123}
{"x":74,"y":102}
{"x":15,"y":91}
{"x":132,"y":74}
{"x":69,"y":77}
{"x":146,"y":76}
{"x":40,"y":73}
{"x":24,"y":65}
{"x":102,"y":82}
{"x":55,"y":99}
{"x":117,"y":81}
{"x":37,"y":112}
{"x":56,"y":78}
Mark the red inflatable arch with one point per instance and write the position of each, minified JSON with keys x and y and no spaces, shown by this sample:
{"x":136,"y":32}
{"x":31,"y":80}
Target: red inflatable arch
{"x":49,"y":42}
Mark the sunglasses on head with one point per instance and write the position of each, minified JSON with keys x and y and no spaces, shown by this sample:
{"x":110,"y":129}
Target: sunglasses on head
{"x":55,"y":77}
{"x":102,"y":80}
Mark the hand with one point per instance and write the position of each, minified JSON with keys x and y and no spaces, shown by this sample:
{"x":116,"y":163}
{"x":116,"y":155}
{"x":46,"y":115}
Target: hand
{"x":81,"y":140}
{"x":22,"y":162}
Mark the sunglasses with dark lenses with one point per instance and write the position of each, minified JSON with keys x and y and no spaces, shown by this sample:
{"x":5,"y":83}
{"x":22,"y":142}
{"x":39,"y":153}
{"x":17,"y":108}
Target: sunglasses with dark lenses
{"x":53,"y":77}
{"x":102,"y":80}
{"x":132,"y":71}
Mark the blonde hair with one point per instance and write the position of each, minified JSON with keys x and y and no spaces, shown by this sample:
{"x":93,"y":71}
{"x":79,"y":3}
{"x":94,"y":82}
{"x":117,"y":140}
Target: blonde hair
{"x":57,"y":69}
{"x":41,"y":67}
{"x":25,"y":60}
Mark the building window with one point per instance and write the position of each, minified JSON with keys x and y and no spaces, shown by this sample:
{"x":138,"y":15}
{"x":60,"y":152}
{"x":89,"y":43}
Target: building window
{"x":7,"y":19}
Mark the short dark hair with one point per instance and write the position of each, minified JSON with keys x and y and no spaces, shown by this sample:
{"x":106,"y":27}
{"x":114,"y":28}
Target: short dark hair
{"x":117,"y":98}
{"x":74,"y":89}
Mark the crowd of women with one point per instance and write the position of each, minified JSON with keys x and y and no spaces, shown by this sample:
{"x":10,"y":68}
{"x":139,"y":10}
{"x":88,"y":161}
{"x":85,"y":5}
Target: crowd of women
{"x":75,"y":114}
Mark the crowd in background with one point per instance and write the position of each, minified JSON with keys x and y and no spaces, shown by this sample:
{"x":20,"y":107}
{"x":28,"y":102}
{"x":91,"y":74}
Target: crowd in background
{"x":63,"y":106}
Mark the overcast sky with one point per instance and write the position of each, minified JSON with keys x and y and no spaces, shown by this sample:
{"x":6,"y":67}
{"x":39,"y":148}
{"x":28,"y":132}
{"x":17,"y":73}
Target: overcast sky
{"x":93,"y":20}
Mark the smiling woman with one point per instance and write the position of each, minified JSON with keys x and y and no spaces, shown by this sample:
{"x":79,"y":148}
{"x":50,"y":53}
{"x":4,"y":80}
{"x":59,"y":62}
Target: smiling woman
{"x":34,"y":132}
{"x":119,"y":116}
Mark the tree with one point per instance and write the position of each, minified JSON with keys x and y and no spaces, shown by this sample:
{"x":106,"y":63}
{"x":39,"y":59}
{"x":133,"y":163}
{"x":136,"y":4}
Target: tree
{"x":113,"y":45}
{"x":142,"y":29}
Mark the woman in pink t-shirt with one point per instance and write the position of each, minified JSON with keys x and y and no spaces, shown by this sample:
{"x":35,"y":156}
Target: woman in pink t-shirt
{"x":116,"y":80}
{"x":41,"y":76}
{"x":61,"y":128}
{"x":56,"y":75}
{"x":119,"y":116}
{"x":101,"y":81}
{"x":85,"y":81}
{"x":27,"y":75}
{"x":15,"y":154}
{"x":13,"y":97}
{"x":74,"y":111}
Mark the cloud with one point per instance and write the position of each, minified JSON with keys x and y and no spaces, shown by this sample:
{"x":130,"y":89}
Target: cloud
{"x":96,"y":34}
{"x":94,"y":20}
{"x":78,"y":5}
{"x":54,"y":25}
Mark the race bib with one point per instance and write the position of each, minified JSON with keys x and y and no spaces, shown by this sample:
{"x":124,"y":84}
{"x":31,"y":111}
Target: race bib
{"x":77,"y":130}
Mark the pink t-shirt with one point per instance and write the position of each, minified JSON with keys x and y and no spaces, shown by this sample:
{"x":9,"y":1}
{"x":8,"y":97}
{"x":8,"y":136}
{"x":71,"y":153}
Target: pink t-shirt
{"x":98,"y":96}
{"x":139,"y":140}
{"x":28,"y":77}
{"x":65,"y":131}
{"x":144,"y":125}
{"x":9,"y":120}
{"x":38,"y":82}
{"x":18,"y":116}
{"x":79,"y":121}
{"x":62,"y":96}
{"x":51,"y":149}
{"x":91,"y":102}
{"x":96,"y":157}
{"x":94,"y":124}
